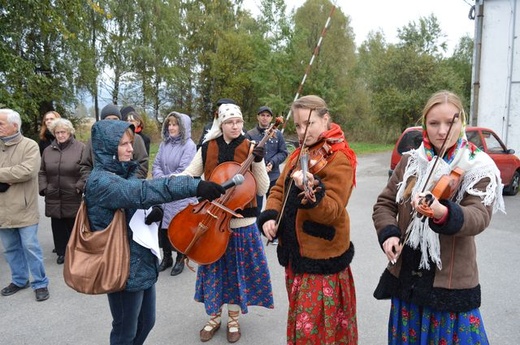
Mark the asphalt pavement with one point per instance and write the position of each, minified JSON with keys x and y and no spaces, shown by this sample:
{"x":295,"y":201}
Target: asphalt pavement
{"x":69,"y":317}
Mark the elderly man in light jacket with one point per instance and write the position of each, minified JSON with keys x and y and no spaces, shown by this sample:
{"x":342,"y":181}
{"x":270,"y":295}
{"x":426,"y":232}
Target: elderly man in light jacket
{"x":19,"y":214}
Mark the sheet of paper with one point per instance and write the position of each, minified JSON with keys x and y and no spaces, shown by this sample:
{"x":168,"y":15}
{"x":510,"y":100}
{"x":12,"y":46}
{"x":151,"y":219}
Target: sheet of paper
{"x":146,"y":235}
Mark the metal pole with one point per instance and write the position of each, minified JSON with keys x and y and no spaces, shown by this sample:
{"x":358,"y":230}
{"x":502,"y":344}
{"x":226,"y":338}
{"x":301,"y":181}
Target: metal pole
{"x":477,"y":53}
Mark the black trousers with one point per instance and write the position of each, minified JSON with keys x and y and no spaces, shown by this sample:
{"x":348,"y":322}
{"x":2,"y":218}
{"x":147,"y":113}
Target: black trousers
{"x":61,"y":229}
{"x":164,"y":242}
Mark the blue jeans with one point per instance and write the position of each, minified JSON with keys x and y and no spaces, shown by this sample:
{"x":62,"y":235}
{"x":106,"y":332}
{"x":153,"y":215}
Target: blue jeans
{"x":133,"y":315}
{"x":23,"y":253}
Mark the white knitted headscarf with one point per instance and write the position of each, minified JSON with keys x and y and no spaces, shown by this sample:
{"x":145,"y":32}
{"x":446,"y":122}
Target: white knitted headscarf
{"x":225,"y":112}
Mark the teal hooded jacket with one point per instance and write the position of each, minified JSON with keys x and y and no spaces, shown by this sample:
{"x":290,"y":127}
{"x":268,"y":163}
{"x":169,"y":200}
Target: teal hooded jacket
{"x":113,"y":185}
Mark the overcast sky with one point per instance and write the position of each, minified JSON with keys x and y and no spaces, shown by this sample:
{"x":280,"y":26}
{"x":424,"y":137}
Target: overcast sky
{"x":388,"y":16}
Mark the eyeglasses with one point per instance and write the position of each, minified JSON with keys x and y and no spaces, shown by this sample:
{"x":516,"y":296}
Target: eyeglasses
{"x":233,"y":123}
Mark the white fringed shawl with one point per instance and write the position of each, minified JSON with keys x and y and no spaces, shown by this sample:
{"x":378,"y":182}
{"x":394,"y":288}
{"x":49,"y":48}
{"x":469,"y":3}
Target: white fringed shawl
{"x":476,"y":165}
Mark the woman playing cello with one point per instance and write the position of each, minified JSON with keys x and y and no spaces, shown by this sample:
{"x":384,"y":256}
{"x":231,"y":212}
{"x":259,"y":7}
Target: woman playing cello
{"x":240,"y":278}
{"x":432,"y":278}
{"x":313,"y":229}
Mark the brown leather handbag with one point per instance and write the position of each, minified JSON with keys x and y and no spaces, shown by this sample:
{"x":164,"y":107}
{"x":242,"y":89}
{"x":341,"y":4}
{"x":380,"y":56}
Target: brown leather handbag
{"x":97,"y":262}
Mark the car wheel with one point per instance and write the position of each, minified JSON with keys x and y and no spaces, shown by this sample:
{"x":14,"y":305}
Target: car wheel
{"x":512,"y":189}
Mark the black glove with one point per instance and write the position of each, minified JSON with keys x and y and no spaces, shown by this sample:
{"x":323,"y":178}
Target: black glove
{"x":154,"y":216}
{"x":4,"y":187}
{"x":259,"y":153}
{"x":209,"y":190}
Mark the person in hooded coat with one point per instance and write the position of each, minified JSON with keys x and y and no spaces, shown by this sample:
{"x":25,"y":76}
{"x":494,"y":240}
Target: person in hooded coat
{"x":175,"y":153}
{"x":113,"y":185}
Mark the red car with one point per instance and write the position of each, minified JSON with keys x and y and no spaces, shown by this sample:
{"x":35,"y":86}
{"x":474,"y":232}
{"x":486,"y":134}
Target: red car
{"x":484,"y":138}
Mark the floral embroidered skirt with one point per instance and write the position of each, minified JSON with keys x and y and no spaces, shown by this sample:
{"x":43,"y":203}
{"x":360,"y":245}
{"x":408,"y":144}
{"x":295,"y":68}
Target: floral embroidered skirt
{"x":413,"y":324}
{"x":322,"y":308}
{"x":240,"y":276}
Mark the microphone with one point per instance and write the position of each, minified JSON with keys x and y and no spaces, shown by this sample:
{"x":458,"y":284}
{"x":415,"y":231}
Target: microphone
{"x":236,"y":180}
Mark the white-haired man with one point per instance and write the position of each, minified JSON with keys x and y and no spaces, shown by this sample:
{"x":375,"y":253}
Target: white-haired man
{"x":19,"y":213}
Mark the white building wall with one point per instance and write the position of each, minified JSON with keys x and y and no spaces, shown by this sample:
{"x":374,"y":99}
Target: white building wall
{"x":499,"y":94}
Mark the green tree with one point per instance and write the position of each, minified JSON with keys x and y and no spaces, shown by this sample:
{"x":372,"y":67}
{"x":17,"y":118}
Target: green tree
{"x":205,"y":23}
{"x":39,"y":54}
{"x":153,"y":53}
{"x":401,"y":77}
{"x":332,"y":75}
{"x":272,"y":79}
{"x":116,"y":44}
{"x":424,"y":37}
{"x":461,"y":63}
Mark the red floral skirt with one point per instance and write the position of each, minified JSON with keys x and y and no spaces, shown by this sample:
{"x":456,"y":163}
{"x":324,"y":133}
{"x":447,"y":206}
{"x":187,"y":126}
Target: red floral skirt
{"x":322,"y":308}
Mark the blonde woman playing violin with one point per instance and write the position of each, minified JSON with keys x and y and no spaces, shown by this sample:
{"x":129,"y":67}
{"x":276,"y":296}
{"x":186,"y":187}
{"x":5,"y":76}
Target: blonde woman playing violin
{"x":306,"y":211}
{"x":432,"y":276}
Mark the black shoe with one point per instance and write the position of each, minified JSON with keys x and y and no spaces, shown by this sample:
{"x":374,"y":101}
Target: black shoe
{"x":166,"y":262}
{"x":42,"y":294}
{"x":60,"y":260}
{"x":12,"y":289}
{"x":179,"y":265}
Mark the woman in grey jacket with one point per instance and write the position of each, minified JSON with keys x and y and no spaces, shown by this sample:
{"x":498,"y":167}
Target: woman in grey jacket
{"x":60,"y":181}
{"x":113,"y":185}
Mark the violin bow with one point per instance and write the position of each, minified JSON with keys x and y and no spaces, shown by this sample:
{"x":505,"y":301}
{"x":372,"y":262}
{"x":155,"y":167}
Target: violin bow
{"x":442,"y":153}
{"x":313,"y":57}
{"x":279,"y":218}
{"x":428,"y":201}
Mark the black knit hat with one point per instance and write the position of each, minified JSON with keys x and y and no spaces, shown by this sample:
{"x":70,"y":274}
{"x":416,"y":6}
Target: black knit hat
{"x":110,"y":109}
{"x":125,"y":111}
{"x":225,"y":101}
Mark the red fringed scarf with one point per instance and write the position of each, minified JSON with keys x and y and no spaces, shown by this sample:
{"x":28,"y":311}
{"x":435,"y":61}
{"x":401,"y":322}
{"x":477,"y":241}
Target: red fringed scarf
{"x":335,"y":138}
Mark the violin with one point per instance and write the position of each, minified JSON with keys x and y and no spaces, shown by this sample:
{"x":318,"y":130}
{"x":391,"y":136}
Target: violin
{"x":312,"y":161}
{"x":445,"y":187}
{"x":202,"y":231}
{"x":308,"y":161}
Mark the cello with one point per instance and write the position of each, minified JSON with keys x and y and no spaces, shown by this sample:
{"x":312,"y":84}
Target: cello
{"x":201,"y":231}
